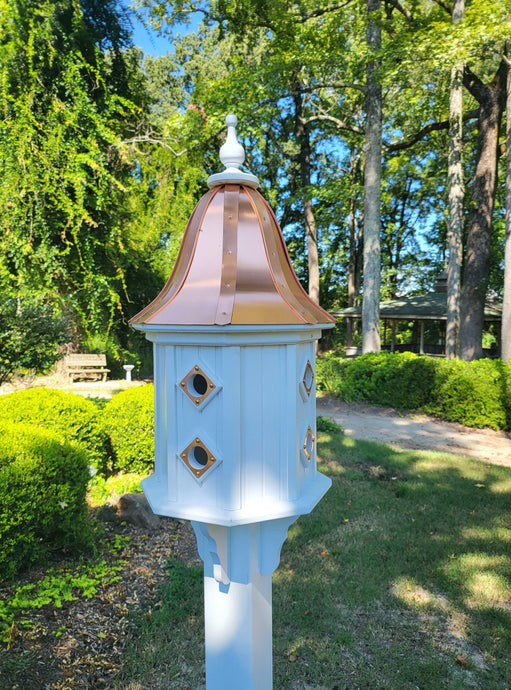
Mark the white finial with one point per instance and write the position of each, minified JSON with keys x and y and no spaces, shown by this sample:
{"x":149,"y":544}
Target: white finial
{"x":232,"y":155}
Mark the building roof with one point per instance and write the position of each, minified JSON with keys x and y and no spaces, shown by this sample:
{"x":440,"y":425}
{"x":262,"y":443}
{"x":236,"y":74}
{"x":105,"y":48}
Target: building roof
{"x":233,"y":266}
{"x":422,"y":307}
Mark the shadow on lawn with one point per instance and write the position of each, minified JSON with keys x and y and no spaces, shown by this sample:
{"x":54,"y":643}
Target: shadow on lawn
{"x":400,"y":577}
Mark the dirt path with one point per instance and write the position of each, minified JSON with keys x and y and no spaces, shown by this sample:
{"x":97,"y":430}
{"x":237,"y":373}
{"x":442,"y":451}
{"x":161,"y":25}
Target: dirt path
{"x":385,"y":425}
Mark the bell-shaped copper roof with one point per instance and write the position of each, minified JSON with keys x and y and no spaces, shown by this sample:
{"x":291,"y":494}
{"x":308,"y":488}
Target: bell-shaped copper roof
{"x":233,"y":266}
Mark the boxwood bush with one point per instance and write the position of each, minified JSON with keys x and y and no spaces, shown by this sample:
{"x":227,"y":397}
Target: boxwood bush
{"x":402,"y":380}
{"x":43,"y":483}
{"x":128,"y":419}
{"x":471,"y":393}
{"x":72,"y":416}
{"x":476,"y":394}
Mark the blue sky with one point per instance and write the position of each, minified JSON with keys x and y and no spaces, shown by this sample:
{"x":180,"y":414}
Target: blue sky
{"x":152,"y":44}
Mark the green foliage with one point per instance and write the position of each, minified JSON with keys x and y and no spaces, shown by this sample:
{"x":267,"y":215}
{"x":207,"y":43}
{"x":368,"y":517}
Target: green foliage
{"x":476,"y":394}
{"x":128,"y":419}
{"x":43,"y":482}
{"x":103,"y":488}
{"x":330,"y":370}
{"x":327,"y":425}
{"x":71,"y":416}
{"x":401,"y":380}
{"x":471,"y":393}
{"x":30,"y":333}
{"x":71,"y":92}
{"x":58,"y":586}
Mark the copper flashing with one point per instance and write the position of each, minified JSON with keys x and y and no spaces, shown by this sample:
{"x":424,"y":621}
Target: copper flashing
{"x":232,"y":268}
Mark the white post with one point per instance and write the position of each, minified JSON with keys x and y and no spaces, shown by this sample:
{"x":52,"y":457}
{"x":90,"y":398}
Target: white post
{"x":238,"y":564}
{"x":238,"y":628}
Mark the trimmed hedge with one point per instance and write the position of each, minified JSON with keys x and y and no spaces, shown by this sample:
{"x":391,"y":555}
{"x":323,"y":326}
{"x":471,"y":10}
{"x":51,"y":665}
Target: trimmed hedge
{"x":476,"y":394}
{"x":402,"y":380}
{"x":471,"y":393}
{"x":43,"y":483}
{"x":128,"y":419}
{"x":72,"y":416}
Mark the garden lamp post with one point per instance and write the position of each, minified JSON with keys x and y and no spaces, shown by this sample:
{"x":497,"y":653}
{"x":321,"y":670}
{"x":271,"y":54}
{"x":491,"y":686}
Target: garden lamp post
{"x":234,"y":340}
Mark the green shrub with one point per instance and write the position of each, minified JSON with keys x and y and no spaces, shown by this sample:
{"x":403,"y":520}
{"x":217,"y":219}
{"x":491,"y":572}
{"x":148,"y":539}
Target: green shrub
{"x":43,"y":483}
{"x":30,"y":332}
{"x":471,"y":393}
{"x":476,"y":394}
{"x":329,"y":373}
{"x":401,"y":380}
{"x":129,"y":421}
{"x":72,"y":416}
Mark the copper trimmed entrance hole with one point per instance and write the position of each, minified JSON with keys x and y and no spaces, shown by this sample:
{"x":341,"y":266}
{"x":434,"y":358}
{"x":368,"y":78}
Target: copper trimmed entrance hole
{"x":197,"y":457}
{"x":197,"y":385}
{"x":308,"y":444}
{"x":308,"y":378}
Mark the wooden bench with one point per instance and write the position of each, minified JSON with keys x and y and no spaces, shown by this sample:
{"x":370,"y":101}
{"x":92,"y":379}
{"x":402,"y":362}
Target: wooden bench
{"x":86,"y":367}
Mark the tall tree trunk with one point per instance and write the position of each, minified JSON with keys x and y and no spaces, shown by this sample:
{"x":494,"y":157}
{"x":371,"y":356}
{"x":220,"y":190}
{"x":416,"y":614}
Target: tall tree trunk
{"x":506,"y":307}
{"x":477,"y":253}
{"x":354,"y":249}
{"x":372,"y":191}
{"x":304,"y":155}
{"x":456,"y":198}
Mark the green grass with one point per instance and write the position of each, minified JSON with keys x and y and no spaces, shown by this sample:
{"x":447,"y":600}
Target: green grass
{"x":101,"y":489}
{"x":400,"y":578}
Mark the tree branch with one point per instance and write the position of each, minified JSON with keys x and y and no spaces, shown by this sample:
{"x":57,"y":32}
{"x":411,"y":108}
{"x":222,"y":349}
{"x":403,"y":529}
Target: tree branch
{"x":333,"y":85}
{"x":340,"y":124}
{"x":476,"y":87}
{"x":422,"y":133}
{"x":149,"y":138}
{"x":444,"y":6}
{"x":324,"y":10}
{"x":400,"y":8}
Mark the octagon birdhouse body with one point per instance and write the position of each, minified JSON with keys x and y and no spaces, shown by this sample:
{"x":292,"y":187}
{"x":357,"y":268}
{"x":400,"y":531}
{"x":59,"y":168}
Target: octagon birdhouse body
{"x":234,"y":340}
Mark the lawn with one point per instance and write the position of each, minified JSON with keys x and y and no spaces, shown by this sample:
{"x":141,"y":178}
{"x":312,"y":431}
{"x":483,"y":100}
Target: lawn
{"x":400,"y":578}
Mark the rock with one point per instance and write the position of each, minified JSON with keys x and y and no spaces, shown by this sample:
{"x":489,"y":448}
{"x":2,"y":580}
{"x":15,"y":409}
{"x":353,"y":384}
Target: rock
{"x":135,"y":509}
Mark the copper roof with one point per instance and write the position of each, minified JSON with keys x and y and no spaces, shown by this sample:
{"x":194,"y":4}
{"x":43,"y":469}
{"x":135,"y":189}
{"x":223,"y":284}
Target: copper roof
{"x":232,"y":268}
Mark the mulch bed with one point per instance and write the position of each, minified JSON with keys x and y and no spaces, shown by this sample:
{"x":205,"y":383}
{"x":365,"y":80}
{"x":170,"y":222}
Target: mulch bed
{"x":81,"y":644}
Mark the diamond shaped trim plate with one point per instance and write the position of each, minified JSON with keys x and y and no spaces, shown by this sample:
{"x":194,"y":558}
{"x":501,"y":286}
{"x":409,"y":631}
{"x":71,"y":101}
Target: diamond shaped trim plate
{"x":308,"y":444}
{"x":197,"y":385}
{"x":308,"y":378}
{"x":197,"y":458}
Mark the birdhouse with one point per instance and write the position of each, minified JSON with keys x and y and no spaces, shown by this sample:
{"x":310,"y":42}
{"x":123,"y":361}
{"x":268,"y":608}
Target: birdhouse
{"x":234,"y":338}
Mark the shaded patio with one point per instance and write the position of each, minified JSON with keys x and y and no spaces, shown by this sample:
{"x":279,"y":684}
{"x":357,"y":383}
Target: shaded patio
{"x":421,"y":310}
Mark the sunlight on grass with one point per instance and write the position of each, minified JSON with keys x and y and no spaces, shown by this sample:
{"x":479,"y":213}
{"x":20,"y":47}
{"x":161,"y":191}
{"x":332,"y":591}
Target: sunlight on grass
{"x":501,"y":487}
{"x":488,"y":534}
{"x":483,"y":578}
{"x":101,"y":489}
{"x":412,"y":594}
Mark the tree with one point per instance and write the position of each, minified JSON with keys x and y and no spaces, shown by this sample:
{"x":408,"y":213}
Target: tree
{"x":490,"y":97}
{"x":30,"y":333}
{"x":506,"y":307}
{"x":455,"y":199}
{"x":71,"y":91}
{"x":372,"y":189}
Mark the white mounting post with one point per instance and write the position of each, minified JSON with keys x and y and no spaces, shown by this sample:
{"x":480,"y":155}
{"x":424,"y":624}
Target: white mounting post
{"x":238,"y":565}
